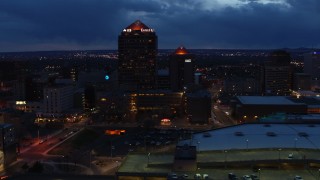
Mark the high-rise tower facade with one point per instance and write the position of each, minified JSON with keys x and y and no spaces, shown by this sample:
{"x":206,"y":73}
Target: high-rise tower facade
{"x":181,"y":69}
{"x":278,"y":73}
{"x":137,"y":48}
{"x":312,"y":65}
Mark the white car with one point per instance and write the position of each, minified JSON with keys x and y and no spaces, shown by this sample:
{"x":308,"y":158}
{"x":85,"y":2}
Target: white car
{"x":246,"y":177}
{"x":197,"y":176}
{"x":290,"y":156}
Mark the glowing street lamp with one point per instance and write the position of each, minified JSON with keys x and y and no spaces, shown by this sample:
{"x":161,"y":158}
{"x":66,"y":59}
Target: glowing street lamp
{"x":279,"y":152}
{"x":225,"y":158}
{"x":247,"y":141}
{"x":148,"y":159}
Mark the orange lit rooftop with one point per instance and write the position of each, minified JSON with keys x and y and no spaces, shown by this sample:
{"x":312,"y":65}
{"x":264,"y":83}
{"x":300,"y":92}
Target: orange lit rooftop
{"x":181,"y":51}
{"x":137,"y":26}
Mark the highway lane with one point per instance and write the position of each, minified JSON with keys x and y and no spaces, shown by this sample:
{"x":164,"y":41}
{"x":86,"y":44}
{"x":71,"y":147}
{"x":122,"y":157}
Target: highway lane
{"x":39,"y":150}
{"x":222,"y":118}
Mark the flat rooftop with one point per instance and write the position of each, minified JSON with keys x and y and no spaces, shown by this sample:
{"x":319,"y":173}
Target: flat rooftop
{"x":266,"y":100}
{"x":265,"y":145}
{"x":257,"y":136}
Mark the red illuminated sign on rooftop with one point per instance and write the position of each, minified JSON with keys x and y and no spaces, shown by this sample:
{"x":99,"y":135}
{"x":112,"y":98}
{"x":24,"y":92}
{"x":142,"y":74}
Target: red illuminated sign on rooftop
{"x":138,"y":26}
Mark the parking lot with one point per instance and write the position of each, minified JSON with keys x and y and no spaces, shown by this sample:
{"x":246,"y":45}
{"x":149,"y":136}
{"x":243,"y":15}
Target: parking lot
{"x":139,"y":140}
{"x":264,"y":174}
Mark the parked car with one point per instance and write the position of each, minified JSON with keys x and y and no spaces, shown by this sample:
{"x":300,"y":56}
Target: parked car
{"x":290,"y":156}
{"x":298,"y":177}
{"x":185,"y":176}
{"x":254,"y":177}
{"x":197,"y":176}
{"x":246,"y":177}
{"x":173,"y":176}
{"x":232,"y":176}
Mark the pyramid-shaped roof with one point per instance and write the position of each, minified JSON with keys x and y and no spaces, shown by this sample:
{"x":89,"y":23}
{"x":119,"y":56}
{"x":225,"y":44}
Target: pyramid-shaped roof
{"x":137,"y":25}
{"x":181,"y":51}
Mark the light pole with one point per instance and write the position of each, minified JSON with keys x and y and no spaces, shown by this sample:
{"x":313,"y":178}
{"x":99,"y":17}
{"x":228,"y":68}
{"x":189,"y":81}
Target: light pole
{"x":112,"y":148}
{"x":247,"y":141}
{"x":259,"y":170}
{"x":225,"y":155}
{"x":225,"y":158}
{"x":148,"y":159}
{"x":279,"y":152}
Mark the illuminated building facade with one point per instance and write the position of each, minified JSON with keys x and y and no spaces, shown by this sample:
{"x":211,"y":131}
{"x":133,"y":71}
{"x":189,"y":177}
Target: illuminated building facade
{"x":8,"y":152}
{"x":312,"y":67}
{"x":57,"y":99}
{"x":137,"y":48}
{"x":312,"y":64}
{"x":181,"y":69}
{"x":238,"y":85}
{"x":250,"y":108}
{"x":28,"y":106}
{"x":163,"y":103}
{"x":278,"y":73}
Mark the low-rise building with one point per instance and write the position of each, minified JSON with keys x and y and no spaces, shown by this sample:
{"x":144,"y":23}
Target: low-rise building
{"x":198,"y":107}
{"x":57,"y":99}
{"x":250,"y":108}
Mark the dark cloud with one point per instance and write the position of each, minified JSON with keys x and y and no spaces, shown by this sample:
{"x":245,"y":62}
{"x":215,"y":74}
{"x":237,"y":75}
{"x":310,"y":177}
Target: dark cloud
{"x":96,"y":24}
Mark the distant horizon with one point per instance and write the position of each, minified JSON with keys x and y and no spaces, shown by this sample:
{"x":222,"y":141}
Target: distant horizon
{"x":230,"y":49}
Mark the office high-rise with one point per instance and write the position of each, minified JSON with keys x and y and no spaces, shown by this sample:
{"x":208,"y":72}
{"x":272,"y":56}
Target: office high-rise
{"x":181,"y":69}
{"x":312,"y":65}
{"x":137,"y":48}
{"x":278,"y":73}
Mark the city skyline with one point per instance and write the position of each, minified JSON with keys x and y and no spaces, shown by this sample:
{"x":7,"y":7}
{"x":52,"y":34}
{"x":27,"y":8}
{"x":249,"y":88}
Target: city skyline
{"x":88,"y":25}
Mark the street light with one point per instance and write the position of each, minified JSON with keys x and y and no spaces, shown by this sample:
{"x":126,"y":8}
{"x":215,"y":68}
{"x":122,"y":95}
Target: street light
{"x":259,"y":170}
{"x":247,"y":141}
{"x":225,"y":155}
{"x":225,"y":158}
{"x":148,"y":159}
{"x":112,"y":148}
{"x":279,"y":152}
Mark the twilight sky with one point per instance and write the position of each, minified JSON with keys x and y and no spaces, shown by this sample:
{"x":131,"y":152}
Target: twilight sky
{"x":32,"y":25}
